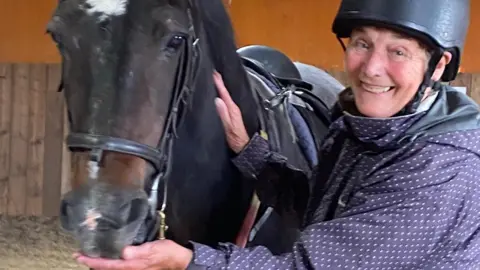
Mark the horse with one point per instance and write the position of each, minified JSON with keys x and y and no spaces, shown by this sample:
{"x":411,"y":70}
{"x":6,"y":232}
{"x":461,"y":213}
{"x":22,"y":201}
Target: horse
{"x":150,"y":153}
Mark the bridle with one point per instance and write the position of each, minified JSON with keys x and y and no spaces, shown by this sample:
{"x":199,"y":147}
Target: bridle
{"x":161,"y":156}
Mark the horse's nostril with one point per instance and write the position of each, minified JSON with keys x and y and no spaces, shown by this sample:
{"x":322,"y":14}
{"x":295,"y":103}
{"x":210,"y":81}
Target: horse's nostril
{"x":64,"y":208}
{"x":135,"y":210}
{"x":106,"y":224}
{"x":66,"y":214}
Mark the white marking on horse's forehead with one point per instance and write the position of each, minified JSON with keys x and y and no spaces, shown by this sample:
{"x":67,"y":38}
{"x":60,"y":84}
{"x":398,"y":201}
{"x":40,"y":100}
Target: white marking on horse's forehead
{"x":107,"y":7}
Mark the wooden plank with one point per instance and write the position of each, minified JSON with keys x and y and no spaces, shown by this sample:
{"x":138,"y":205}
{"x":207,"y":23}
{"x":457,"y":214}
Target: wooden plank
{"x":38,"y":85}
{"x":17,"y":184}
{"x":463,"y":79}
{"x":66,"y":158}
{"x":5,"y":122}
{"x":475,"y":92}
{"x":52,"y":171}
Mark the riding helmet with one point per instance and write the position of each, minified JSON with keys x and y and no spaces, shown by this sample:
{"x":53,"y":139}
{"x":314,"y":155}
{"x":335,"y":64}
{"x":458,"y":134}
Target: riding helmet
{"x":440,"y":24}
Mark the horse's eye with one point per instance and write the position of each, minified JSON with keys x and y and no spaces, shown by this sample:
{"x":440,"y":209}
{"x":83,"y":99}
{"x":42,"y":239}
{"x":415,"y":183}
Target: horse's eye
{"x":175,"y":42}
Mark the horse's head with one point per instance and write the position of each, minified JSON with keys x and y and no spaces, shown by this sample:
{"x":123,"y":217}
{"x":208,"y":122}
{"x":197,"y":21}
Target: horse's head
{"x":128,"y":69}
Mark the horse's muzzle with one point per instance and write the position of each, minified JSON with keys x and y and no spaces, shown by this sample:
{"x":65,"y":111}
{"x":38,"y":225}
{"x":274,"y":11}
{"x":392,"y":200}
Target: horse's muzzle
{"x":103,"y":219}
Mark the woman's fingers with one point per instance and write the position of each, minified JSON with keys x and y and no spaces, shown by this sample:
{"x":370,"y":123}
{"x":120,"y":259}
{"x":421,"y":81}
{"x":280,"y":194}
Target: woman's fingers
{"x":222,"y":91}
{"x":222,"y":111}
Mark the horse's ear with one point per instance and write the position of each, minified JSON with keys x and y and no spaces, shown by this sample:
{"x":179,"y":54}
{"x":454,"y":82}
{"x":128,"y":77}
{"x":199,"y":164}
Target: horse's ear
{"x":60,"y":86}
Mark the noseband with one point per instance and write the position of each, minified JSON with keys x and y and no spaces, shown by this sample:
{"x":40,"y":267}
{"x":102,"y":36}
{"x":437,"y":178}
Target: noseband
{"x":161,"y":156}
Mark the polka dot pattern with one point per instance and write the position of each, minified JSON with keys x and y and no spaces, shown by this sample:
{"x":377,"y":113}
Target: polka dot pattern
{"x":413,"y":207}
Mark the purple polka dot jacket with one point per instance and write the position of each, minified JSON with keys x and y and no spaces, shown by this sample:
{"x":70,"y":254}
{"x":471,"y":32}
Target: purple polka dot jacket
{"x":394,"y":193}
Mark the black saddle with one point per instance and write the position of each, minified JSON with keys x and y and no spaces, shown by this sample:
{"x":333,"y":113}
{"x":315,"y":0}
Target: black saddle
{"x":282,"y":74}
{"x":287,"y":103}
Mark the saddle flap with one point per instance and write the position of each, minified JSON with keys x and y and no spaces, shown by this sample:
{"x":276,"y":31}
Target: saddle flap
{"x":288,"y":133}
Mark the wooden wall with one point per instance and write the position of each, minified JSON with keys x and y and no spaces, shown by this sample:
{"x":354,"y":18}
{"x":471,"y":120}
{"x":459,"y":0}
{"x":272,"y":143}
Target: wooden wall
{"x":302,"y":29}
{"x":34,"y":163}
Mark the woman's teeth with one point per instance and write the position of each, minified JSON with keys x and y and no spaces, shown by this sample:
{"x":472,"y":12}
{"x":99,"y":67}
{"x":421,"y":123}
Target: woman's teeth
{"x":376,"y":89}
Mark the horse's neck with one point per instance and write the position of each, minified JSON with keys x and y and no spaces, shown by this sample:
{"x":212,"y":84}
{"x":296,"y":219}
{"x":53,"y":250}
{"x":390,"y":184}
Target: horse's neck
{"x":218,"y":37}
{"x":202,"y":165}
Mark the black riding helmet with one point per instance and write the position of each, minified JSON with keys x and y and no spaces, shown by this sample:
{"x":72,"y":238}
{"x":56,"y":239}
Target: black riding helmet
{"x":439,"y":24}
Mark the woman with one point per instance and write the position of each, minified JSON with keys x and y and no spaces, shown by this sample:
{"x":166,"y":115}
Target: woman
{"x":397,"y":183}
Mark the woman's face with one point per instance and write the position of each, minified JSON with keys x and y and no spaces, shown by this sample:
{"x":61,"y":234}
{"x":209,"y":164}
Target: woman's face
{"x":385,"y":70}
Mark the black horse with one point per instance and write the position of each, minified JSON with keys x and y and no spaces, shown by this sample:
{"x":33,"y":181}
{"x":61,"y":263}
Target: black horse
{"x":144,"y":132}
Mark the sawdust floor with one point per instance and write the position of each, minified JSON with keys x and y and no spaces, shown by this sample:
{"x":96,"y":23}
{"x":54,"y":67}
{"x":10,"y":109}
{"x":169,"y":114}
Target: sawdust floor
{"x":35,"y":243}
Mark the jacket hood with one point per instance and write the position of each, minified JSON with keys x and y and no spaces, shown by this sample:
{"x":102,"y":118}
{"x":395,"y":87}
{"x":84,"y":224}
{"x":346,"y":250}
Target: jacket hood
{"x":447,"y":110}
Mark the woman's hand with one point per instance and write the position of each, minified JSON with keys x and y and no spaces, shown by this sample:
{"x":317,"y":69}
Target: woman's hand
{"x":157,"y":255}
{"x":231,"y":116}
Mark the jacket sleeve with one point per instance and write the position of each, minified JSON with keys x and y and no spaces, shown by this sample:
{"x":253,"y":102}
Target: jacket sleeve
{"x":384,"y":226}
{"x":278,"y":184}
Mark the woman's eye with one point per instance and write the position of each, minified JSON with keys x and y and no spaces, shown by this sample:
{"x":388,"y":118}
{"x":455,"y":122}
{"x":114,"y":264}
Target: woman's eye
{"x":398,"y":53}
{"x":361,"y":44}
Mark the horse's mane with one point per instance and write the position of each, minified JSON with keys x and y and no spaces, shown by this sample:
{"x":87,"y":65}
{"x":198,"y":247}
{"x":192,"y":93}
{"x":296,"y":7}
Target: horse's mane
{"x":222,"y":51}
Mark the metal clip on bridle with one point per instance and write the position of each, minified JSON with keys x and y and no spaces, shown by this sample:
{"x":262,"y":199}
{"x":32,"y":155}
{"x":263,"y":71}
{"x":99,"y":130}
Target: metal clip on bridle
{"x":162,"y":176}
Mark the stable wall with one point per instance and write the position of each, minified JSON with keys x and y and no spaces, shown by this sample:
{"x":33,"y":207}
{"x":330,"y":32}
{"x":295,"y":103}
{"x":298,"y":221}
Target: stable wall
{"x":300,"y":28}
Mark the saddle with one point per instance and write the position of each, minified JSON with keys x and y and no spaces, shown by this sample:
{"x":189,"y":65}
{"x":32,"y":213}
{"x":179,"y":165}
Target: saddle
{"x":288,"y":104}
{"x":292,"y":117}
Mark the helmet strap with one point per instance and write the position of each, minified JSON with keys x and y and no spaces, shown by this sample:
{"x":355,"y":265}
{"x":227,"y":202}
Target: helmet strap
{"x":341,"y":43}
{"x":427,"y":82}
